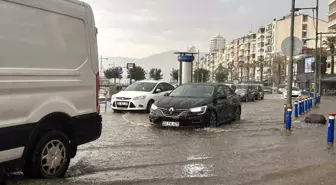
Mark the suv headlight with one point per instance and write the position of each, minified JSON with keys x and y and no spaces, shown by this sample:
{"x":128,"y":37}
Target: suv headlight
{"x":139,"y":97}
{"x":154,"y":107}
{"x":200,"y":110}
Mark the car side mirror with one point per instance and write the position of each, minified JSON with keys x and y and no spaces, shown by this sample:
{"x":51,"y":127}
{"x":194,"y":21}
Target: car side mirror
{"x":158,"y":90}
{"x":166,"y":94}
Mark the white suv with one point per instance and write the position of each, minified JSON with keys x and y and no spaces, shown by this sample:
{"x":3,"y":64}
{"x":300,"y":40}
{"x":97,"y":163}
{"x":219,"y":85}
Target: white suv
{"x":140,"y":95}
{"x":49,"y":84}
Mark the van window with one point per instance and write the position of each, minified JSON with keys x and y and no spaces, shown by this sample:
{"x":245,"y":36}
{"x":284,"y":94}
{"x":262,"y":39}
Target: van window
{"x":43,"y":39}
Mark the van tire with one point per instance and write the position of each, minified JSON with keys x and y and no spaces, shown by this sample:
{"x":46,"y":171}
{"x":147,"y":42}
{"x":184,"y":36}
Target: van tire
{"x":60,"y":147}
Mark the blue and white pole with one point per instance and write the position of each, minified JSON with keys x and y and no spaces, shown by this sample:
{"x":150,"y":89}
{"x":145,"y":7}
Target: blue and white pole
{"x":289,"y":119}
{"x":285,"y":113}
{"x":296,"y":110}
{"x":331,"y":127}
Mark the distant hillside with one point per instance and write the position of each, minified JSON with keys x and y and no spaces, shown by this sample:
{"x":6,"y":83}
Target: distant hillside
{"x":166,"y":61}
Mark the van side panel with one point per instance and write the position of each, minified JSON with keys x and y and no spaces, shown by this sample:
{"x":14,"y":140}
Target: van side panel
{"x":45,"y":62}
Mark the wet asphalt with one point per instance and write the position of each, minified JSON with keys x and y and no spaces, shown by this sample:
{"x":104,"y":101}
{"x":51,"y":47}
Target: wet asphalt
{"x":252,"y":151}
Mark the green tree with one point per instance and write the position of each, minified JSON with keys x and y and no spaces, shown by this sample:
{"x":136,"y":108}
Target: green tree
{"x":221,"y":74}
{"x":139,"y":73}
{"x":203,"y":74}
{"x":174,"y":74}
{"x":155,"y":73}
{"x":112,"y":73}
{"x":330,"y":42}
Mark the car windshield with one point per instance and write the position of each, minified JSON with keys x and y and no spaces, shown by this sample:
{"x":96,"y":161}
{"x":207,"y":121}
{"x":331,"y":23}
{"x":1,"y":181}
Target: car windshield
{"x":141,"y":86}
{"x":193,"y":90}
{"x":238,"y":87}
{"x":295,"y":89}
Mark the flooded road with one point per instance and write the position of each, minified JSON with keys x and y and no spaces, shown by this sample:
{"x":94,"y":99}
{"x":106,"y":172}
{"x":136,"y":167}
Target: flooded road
{"x":251,"y":151}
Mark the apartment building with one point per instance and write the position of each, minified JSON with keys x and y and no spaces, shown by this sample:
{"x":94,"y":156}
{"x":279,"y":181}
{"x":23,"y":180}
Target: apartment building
{"x":217,"y":43}
{"x":243,"y":53}
{"x":332,"y":15}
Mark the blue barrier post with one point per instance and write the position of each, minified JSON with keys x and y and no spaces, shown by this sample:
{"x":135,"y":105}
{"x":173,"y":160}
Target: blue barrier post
{"x":331,"y":126}
{"x":296,"y":110}
{"x":306,"y":105}
{"x":300,"y":107}
{"x":289,"y":119}
{"x":310,"y":103}
{"x":285,"y":113}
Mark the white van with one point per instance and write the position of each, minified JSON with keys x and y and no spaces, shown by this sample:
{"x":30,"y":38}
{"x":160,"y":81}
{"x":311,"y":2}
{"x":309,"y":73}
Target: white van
{"x":49,"y":84}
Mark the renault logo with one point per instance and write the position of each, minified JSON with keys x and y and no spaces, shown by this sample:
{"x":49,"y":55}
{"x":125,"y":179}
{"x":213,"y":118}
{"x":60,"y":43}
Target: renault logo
{"x":171,"y":110}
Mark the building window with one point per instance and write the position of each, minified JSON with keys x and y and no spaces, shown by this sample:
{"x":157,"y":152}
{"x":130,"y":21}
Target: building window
{"x":305,"y":18}
{"x":304,"y":27}
{"x":304,"y":34}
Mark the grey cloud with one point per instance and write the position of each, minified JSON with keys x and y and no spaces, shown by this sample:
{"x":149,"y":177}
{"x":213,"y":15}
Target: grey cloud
{"x":171,"y":23}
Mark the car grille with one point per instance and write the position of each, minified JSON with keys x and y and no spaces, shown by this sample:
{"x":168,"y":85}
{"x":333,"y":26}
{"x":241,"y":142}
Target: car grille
{"x":177,"y":112}
{"x":123,"y":98}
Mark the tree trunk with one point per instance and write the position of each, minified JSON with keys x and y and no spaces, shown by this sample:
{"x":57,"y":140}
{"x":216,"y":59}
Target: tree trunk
{"x":332,"y":64}
{"x":241,"y":74}
{"x":254,"y":72}
{"x":261,"y":73}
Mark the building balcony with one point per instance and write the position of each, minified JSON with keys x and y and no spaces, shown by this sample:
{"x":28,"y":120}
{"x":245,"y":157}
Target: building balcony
{"x":331,"y":1}
{"x":332,"y":24}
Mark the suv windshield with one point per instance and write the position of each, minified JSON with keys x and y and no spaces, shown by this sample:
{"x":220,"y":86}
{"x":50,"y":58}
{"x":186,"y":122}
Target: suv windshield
{"x":141,"y":86}
{"x":200,"y":91}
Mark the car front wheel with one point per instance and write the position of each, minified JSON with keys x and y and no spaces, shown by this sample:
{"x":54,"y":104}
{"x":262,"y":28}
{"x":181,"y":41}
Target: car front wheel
{"x":212,"y":119}
{"x":237,"y":114}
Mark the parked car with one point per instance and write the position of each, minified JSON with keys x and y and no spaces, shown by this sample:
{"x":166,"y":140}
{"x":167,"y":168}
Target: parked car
{"x":259,"y":91}
{"x":281,"y":88}
{"x":196,"y":105}
{"x":296,"y":92}
{"x":245,"y":92}
{"x":267,"y":90}
{"x":140,"y":95}
{"x":49,"y":84}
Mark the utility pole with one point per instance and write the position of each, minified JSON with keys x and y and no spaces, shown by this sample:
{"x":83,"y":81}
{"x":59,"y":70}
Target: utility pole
{"x":290,"y":63}
{"x":316,"y":64}
{"x":197,"y":74}
{"x":101,"y":63}
{"x":320,"y":64}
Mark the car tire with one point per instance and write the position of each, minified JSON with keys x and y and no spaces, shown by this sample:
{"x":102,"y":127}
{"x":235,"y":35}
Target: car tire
{"x":262,"y":98}
{"x":213,"y":119}
{"x":237,"y":114}
{"x":116,"y":111}
{"x":149,"y":105}
{"x":53,"y":146}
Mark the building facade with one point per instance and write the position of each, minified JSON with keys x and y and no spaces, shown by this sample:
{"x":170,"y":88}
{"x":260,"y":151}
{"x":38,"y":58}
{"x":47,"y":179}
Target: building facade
{"x":251,"y":56}
{"x":217,"y":43}
{"x":332,"y":14}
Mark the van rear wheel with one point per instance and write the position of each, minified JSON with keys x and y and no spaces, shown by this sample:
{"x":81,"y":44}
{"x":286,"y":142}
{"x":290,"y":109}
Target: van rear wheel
{"x":51,"y":157}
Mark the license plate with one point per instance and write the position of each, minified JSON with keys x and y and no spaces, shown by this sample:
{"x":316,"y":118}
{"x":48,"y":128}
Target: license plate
{"x":170,"y":124}
{"x":122,"y":103}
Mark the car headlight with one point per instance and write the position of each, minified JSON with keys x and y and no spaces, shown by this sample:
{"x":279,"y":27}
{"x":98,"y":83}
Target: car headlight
{"x":113,"y":97}
{"x":154,"y":107}
{"x":200,"y":110}
{"x":139,"y":97}
{"x":242,"y":94}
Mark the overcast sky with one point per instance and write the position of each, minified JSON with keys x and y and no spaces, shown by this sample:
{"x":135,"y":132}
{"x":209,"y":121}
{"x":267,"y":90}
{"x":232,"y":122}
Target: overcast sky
{"x":139,"y":28}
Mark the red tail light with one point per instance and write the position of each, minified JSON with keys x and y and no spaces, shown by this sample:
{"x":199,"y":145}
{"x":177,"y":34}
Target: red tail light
{"x":97,"y":92}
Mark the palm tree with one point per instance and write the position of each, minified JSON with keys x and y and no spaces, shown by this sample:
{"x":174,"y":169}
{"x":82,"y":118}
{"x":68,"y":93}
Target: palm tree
{"x":330,"y":42}
{"x":230,"y":68}
{"x":261,"y":62}
{"x":247,"y":67}
{"x":241,"y":65}
{"x":278,"y":62}
{"x":254,"y":64}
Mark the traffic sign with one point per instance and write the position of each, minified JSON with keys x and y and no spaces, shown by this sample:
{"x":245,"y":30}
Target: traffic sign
{"x":118,"y":69}
{"x":286,"y":46}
